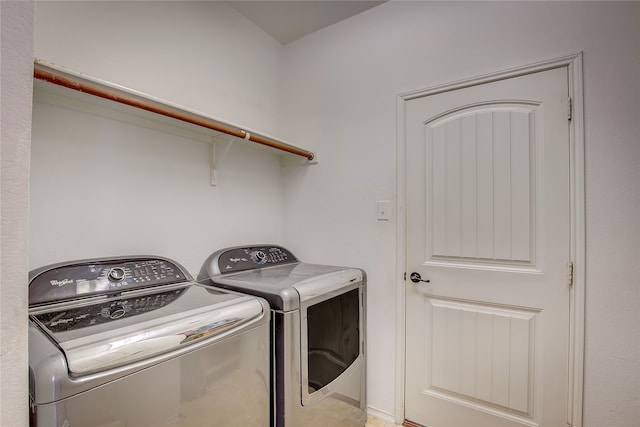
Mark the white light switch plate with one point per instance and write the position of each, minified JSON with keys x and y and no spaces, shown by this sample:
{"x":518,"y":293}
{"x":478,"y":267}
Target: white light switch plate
{"x":384,"y":210}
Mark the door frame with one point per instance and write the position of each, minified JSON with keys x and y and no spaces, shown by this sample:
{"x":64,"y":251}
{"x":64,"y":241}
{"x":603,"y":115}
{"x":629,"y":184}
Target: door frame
{"x":577,"y":222}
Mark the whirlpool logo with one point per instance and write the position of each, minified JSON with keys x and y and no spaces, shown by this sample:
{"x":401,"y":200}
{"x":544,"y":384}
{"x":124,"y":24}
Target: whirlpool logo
{"x":60,"y":283}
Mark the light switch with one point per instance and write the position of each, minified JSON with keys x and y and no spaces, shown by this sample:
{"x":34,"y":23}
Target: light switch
{"x":384,"y":210}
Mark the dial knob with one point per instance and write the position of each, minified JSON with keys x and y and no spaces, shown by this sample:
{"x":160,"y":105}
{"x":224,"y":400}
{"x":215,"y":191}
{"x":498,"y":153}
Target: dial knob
{"x":259,"y":257}
{"x":116,"y":274}
{"x":117,"y":313}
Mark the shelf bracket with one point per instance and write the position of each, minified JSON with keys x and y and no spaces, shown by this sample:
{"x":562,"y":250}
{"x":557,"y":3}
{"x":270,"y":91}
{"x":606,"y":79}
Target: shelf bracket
{"x":218,"y":149}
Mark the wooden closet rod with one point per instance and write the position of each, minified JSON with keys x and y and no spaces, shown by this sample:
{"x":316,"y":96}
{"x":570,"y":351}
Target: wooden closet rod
{"x":122,"y":98}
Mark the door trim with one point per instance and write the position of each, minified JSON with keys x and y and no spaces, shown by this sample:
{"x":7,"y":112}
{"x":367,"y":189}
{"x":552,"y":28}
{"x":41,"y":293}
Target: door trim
{"x":577,"y":222}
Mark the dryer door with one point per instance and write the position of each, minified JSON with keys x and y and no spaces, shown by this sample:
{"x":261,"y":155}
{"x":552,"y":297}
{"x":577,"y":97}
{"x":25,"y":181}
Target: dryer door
{"x":332,"y":344}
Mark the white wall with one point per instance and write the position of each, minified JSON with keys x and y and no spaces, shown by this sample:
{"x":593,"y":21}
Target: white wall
{"x":340,"y":94}
{"x":202,"y":55}
{"x":16,"y":42}
{"x":103,"y":187}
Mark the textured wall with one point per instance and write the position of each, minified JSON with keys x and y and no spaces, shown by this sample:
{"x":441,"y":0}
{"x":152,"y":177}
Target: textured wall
{"x":16,"y":41}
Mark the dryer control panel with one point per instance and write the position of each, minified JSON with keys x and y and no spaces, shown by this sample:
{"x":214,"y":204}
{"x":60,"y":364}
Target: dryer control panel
{"x":247,"y":258}
{"x":62,"y":282}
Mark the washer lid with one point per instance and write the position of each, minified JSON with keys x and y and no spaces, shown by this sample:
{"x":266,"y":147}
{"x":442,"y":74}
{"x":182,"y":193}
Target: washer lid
{"x":100,"y":333}
{"x":285,"y":287}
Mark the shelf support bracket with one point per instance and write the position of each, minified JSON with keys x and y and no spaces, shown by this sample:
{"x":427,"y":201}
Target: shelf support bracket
{"x":216,"y":153}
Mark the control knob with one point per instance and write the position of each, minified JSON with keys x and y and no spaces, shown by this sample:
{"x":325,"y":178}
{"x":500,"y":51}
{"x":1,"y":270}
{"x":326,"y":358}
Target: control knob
{"x":118,"y":313}
{"x":116,"y":274}
{"x":259,"y":257}
{"x":115,"y":311}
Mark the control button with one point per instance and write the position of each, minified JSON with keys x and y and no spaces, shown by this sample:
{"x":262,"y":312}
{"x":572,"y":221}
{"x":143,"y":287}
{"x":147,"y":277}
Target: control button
{"x":116,"y":274}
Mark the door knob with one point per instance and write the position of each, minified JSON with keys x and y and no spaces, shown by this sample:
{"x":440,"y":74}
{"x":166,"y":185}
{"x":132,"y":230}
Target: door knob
{"x":415,"y":278}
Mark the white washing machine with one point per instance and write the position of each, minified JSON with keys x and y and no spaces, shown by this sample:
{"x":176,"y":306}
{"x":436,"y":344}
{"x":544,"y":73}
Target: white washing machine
{"x":134,"y":342}
{"x":317,"y":331}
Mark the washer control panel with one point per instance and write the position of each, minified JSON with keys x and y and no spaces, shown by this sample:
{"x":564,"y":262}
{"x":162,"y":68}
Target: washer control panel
{"x":248,"y":258}
{"x":105,"y":311}
{"x":70,"y":281}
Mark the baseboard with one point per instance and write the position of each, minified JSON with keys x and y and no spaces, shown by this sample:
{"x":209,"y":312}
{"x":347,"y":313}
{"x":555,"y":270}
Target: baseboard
{"x":382,"y":415}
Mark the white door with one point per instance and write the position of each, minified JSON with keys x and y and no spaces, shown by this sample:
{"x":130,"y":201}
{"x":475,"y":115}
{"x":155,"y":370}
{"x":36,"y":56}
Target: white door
{"x":488,"y":224}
